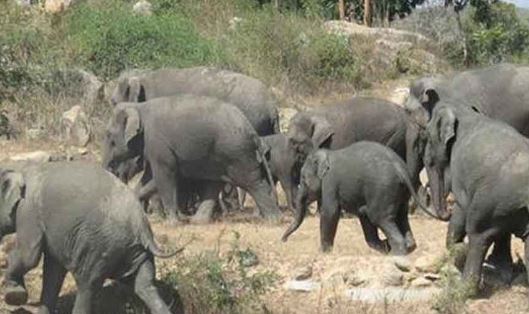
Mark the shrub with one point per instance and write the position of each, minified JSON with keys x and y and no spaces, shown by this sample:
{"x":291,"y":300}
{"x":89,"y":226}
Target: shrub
{"x":111,"y":38}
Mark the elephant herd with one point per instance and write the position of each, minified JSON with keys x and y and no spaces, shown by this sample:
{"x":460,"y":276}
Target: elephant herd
{"x":197,"y":134}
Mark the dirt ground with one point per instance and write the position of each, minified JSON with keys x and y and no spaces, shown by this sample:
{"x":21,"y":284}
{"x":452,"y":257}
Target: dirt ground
{"x":350,"y":254}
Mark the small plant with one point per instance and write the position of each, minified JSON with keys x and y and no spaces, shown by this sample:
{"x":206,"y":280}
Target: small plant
{"x":212,"y":283}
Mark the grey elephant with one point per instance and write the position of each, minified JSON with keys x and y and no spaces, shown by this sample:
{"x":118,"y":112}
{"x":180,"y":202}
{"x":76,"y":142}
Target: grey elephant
{"x":282,"y":161}
{"x":84,"y":221}
{"x":366,"y":179}
{"x":190,"y":137}
{"x":359,"y":119}
{"x":499,"y":92}
{"x":248,"y":94}
{"x":489,"y":163}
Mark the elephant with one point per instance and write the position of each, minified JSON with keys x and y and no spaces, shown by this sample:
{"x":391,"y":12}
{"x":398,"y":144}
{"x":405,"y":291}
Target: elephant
{"x":489,"y":174}
{"x":367,"y":179}
{"x":190,"y":137}
{"x":282,"y":161}
{"x":358,"y":119}
{"x":84,"y":221}
{"x":250,"y":95}
{"x":499,"y":92}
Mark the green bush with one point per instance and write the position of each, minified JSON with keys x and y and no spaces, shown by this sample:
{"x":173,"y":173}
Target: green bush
{"x":108,"y":40}
{"x":495,"y":33}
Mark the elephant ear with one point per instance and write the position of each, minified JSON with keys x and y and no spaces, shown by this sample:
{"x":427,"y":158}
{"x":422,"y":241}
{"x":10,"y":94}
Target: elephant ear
{"x":12,"y":191}
{"x":321,"y":159}
{"x":132,"y":123}
{"x":322,"y":132}
{"x":136,"y":90}
{"x":446,"y":125}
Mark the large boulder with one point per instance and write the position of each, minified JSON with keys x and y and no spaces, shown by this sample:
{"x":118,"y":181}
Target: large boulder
{"x":75,"y":127}
{"x":56,"y":6}
{"x":404,"y":51}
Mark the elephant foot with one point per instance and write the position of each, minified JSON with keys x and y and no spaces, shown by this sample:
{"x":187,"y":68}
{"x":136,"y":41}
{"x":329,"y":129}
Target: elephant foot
{"x":198,"y":219}
{"x":15,"y":294}
{"x":499,"y":273}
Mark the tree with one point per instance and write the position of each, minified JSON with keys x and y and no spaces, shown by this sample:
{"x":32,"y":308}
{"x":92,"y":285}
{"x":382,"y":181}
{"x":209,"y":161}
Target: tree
{"x":367,"y":13}
{"x":341,"y":9}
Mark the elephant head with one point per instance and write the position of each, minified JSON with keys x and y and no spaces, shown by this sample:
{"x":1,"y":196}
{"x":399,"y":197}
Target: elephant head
{"x":12,"y":192}
{"x":123,"y":139}
{"x":313,"y":171}
{"x":128,"y":89}
{"x":424,"y":95}
{"x":308,"y":132}
{"x":441,"y":134}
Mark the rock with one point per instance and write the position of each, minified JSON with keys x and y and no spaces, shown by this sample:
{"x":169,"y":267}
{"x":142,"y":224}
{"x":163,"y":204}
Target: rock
{"x":303,"y":273}
{"x":233,"y":23}
{"x":399,"y":95}
{"x":56,"y":6}
{"x":36,"y":157}
{"x":34,"y":134}
{"x":426,"y":264}
{"x":142,"y":7}
{"x":432,"y":277}
{"x":285,"y":114}
{"x":302,"y":285}
{"x":75,"y":127}
{"x":391,"y":295}
{"x":91,"y":87}
{"x":402,"y":263}
{"x":391,"y":276}
{"x":421,"y":282}
{"x":393,"y":35}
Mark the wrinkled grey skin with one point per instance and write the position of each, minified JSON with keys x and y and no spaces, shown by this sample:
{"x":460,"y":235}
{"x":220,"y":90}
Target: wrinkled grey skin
{"x":359,"y":119}
{"x":250,"y":95}
{"x":84,"y":221}
{"x":282,"y":161}
{"x":191,"y":137}
{"x":499,"y":92}
{"x":489,"y":163}
{"x":366,"y":179}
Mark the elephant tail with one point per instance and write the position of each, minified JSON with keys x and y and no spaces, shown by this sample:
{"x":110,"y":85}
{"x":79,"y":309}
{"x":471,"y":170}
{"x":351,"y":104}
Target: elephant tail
{"x":405,"y":177}
{"x":152,"y":246}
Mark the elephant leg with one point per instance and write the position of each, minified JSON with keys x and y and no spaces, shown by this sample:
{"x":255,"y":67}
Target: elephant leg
{"x":479,"y":243}
{"x":288,"y":187}
{"x":209,"y":197}
{"x":230,"y":197}
{"x":456,"y":228}
{"x":501,"y":258}
{"x":85,"y":293}
{"x":166,"y":183}
{"x":265,"y":200}
{"x":242,"y":197}
{"x":146,"y":291}
{"x":405,"y":228}
{"x":22,"y":259}
{"x":329,"y":217}
{"x":395,"y":238}
{"x":371,"y":235}
{"x":526,"y":255}
{"x":53,"y":278}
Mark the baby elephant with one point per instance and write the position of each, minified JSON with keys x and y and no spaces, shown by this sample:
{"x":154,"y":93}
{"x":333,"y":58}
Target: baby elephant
{"x":367,"y":179}
{"x":83,"y":220}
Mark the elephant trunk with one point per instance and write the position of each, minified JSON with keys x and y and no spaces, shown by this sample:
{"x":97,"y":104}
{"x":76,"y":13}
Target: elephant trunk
{"x":302,"y":202}
{"x":437,"y":186}
{"x":267,"y":204}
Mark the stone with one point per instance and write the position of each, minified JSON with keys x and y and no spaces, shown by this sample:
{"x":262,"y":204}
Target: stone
{"x":234,"y":22}
{"x":91,"y":87}
{"x":142,"y":7}
{"x":35,"y":157}
{"x":432,"y":276}
{"x":402,"y":263}
{"x":426,"y":264}
{"x":302,"y":285}
{"x":75,"y":127}
{"x":303,"y":273}
{"x":34,"y":134}
{"x":421,"y":282}
{"x":56,"y":6}
{"x":285,"y":114}
{"x":391,"y":294}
